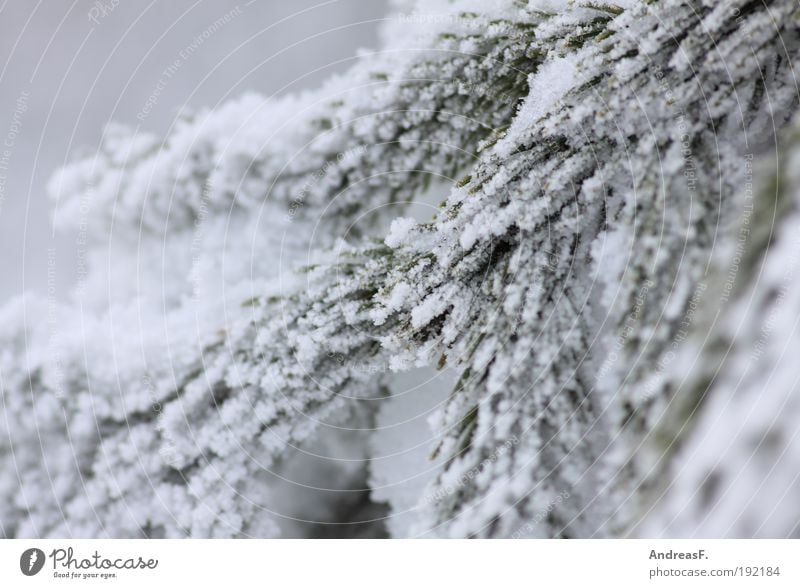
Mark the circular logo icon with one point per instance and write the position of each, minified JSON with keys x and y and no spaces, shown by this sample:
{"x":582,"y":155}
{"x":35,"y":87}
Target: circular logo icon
{"x":31,"y":561}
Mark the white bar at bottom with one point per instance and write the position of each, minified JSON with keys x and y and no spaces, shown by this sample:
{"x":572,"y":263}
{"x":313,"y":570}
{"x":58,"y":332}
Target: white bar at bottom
{"x":406,"y":563}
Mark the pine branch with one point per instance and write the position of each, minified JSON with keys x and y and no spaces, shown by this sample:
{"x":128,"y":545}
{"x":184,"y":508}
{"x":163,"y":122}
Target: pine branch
{"x":723,"y":456}
{"x":173,"y":446}
{"x":374,"y":136}
{"x":615,"y":175}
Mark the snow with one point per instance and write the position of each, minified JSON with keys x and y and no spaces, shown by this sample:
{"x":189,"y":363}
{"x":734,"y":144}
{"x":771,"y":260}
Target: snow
{"x":400,"y":231}
{"x":235,"y":332}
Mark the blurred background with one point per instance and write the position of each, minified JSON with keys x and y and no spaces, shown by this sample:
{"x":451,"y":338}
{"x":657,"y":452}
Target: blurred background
{"x":69,"y":68}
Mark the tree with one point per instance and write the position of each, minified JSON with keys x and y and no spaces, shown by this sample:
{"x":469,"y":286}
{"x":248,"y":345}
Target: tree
{"x":598,"y":153}
{"x":724,"y":455}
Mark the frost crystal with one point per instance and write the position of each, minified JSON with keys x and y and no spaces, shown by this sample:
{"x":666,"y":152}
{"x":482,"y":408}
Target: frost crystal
{"x":597,"y":153}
